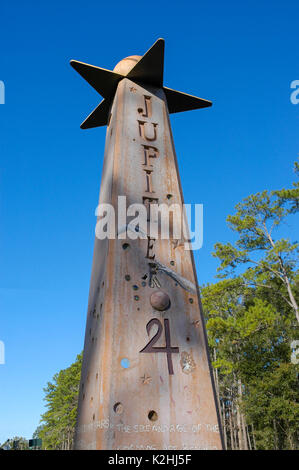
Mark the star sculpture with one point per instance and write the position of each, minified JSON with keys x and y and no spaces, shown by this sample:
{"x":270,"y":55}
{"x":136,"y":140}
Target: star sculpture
{"x":147,"y":70}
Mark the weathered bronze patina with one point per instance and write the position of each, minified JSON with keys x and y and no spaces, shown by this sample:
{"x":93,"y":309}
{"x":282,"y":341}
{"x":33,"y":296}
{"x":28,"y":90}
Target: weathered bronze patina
{"x":146,"y":378}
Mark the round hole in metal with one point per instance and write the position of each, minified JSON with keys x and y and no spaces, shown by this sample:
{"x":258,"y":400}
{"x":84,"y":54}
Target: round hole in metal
{"x":118,"y":408}
{"x":152,"y":415}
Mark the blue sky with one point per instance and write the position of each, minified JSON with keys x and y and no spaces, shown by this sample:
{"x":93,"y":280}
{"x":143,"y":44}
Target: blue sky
{"x":242,"y":56}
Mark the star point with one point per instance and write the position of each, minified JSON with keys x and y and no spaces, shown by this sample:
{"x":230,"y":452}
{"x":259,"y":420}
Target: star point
{"x":148,"y":70}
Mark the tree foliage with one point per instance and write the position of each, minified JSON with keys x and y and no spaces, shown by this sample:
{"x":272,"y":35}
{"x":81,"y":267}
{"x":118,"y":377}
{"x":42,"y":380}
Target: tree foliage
{"x":252,"y":319}
{"x":249,"y":340}
{"x":267,"y":262}
{"x":15,"y":443}
{"x":61,"y":397}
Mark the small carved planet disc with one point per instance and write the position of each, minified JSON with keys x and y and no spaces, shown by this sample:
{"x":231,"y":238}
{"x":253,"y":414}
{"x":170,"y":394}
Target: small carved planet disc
{"x":160,"y":300}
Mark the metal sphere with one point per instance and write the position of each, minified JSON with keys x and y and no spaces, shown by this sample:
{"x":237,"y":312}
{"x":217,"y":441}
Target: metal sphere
{"x":160,"y":300}
{"x":125,"y":65}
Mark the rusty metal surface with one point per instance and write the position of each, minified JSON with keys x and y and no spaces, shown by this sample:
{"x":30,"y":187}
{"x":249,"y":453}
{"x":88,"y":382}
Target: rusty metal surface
{"x":129,"y":399}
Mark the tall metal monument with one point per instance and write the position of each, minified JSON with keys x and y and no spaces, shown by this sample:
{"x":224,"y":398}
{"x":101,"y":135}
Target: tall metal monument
{"x":146,"y":379}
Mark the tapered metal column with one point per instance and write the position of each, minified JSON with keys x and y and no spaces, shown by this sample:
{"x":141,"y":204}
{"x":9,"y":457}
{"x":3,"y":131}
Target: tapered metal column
{"x":146,"y":380}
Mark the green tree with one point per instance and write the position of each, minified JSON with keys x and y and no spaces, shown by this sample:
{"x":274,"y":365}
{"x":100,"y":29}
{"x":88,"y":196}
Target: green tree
{"x":17,"y":443}
{"x":61,"y":396}
{"x":37,"y":432}
{"x":268,"y":263}
{"x":249,"y":340}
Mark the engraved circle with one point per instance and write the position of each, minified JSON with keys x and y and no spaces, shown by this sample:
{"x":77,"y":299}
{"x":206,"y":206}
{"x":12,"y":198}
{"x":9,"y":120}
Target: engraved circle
{"x":125,"y":363}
